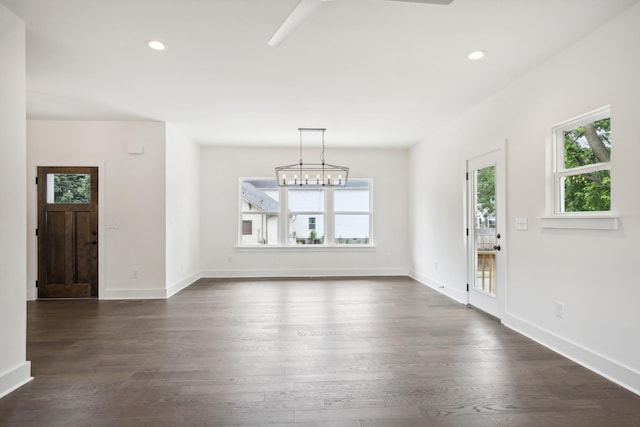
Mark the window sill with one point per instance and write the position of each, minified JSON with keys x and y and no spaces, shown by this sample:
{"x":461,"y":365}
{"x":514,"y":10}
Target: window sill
{"x":307,"y":248}
{"x":575,"y":222}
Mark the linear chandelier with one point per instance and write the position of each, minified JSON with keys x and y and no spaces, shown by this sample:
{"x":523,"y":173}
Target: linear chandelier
{"x":303,"y":174}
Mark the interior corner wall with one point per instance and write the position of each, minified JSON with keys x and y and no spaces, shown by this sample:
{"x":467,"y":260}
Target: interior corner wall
{"x":14,"y":369}
{"x":221,"y":170}
{"x":182,"y":211}
{"x":592,"y":272}
{"x":130,"y":157}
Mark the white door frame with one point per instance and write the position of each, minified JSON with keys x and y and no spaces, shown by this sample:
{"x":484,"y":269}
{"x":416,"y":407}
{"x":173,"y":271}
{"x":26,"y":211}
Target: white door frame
{"x":493,"y":305}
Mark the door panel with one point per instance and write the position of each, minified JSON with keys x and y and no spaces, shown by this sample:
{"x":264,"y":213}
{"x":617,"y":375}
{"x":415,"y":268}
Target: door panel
{"x":67,"y":232}
{"x":485,"y":218}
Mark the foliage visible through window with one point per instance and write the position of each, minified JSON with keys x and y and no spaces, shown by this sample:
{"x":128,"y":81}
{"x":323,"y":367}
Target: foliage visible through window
{"x":69,"y":188}
{"x":486,"y":195}
{"x":583,"y":179}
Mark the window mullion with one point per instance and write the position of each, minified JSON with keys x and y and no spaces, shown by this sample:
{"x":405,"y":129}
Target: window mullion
{"x":329,"y":217}
{"x":596,"y":167}
{"x":283,"y":224}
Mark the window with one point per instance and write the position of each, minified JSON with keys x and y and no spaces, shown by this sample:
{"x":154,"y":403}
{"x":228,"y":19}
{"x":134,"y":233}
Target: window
{"x":68,"y":188}
{"x":305,"y":205}
{"x":332,"y":216}
{"x":259,"y":212}
{"x":247,"y":227}
{"x":581,"y":164}
{"x":352,"y":209}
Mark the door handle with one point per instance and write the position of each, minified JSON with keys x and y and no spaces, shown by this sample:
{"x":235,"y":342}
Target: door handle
{"x":496,"y":248}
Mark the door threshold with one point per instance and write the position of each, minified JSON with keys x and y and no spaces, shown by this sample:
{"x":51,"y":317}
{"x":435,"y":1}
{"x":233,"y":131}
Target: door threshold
{"x":489,"y":315}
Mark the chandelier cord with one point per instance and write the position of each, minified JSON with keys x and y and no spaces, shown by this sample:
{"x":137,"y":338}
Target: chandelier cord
{"x":300,"y":146}
{"x":322,"y":154}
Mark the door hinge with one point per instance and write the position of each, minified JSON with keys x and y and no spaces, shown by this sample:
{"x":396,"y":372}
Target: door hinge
{"x":467,"y":287}
{"x":36,"y":231}
{"x":467,"y":231}
{"x":36,"y":283}
{"x":467,"y":176}
{"x":36,"y":180}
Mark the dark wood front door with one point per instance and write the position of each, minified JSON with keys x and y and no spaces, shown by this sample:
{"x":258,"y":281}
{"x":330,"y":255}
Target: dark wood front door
{"x":67,"y":232}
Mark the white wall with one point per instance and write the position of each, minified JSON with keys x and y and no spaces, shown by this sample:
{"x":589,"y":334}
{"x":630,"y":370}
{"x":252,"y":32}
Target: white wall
{"x":221,"y":169}
{"x":131,"y":197}
{"x":592,"y":272}
{"x":182,"y":211}
{"x":14,"y":369}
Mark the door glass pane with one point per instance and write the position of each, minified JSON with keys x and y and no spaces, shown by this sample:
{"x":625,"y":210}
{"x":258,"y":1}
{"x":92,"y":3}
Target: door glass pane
{"x":68,"y":188}
{"x":485,"y":228}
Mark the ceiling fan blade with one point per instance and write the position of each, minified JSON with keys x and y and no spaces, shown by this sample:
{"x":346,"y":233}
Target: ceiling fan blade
{"x":297,"y":15}
{"x":445,"y":2}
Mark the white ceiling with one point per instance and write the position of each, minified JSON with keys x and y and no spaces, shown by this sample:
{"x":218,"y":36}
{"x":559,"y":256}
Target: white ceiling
{"x":375,"y":73}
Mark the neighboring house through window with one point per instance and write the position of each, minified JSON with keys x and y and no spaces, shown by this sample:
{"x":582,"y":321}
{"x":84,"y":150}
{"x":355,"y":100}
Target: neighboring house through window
{"x":270,"y":215}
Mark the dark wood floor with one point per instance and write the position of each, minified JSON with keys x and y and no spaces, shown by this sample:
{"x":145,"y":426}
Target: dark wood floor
{"x":299,"y":353}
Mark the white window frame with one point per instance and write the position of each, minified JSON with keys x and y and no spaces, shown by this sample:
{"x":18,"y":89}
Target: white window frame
{"x":284,"y":195}
{"x":329,"y":221}
{"x":555,"y":217}
{"x":369,"y":212}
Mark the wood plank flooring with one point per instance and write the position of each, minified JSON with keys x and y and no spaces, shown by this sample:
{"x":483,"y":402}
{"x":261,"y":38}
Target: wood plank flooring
{"x":385,"y":352}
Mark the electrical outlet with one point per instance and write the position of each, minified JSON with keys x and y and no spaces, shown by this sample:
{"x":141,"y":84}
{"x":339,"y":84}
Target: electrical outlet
{"x":559,"y":310}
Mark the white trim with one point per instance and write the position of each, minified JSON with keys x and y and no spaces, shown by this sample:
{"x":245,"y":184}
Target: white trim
{"x":305,"y":248}
{"x":585,"y":222}
{"x":618,"y":373}
{"x":453,"y":293}
{"x":494,"y":305}
{"x":328,"y":215}
{"x":555,"y":169}
{"x":182,"y":284}
{"x":320,"y":272}
{"x":128,"y":294}
{"x":102,"y":213}
{"x":15,"y":378}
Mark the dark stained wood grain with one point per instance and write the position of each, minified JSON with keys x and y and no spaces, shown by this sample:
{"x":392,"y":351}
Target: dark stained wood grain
{"x":298,"y":353}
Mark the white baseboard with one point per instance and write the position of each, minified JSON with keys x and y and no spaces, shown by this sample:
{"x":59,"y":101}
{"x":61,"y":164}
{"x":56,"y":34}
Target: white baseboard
{"x":32,"y":293}
{"x":181,"y":284}
{"x":321,"y":272}
{"x":618,"y":373}
{"x":15,"y":378}
{"x":115,"y":294}
{"x":455,"y":294}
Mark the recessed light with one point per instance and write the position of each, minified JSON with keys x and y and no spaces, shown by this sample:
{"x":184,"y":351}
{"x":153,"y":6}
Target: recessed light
{"x":156,"y":45}
{"x":477,"y":54}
